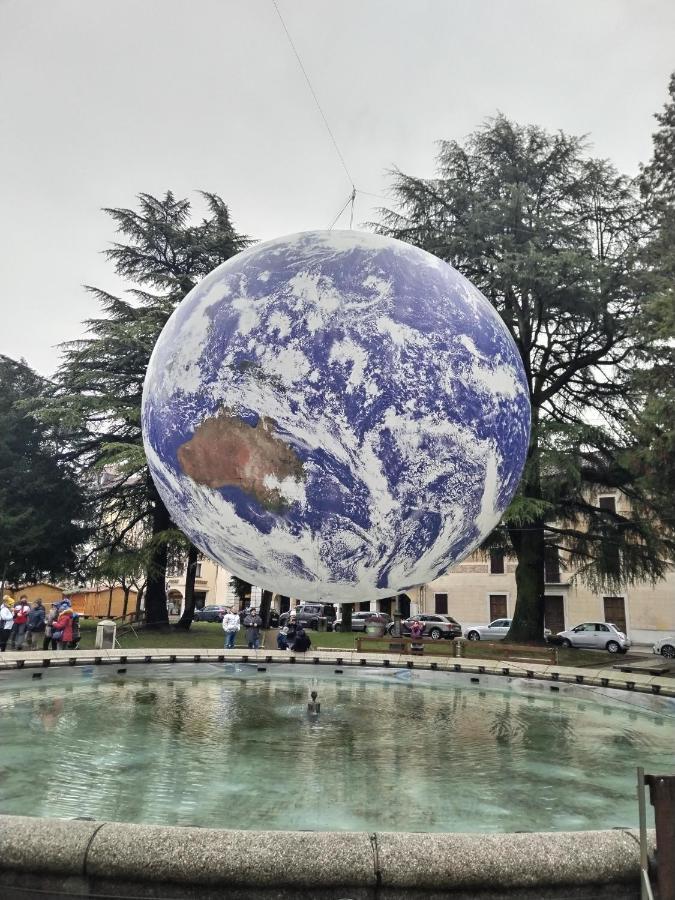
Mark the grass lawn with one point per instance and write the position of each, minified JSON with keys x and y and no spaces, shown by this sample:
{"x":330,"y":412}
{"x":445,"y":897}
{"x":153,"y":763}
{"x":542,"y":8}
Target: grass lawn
{"x":209,"y":635}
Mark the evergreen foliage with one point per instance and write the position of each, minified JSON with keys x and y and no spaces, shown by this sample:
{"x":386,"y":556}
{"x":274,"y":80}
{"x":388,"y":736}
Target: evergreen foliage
{"x":654,"y":455}
{"x":41,"y":505}
{"x":97,"y":395}
{"x":552,"y":238}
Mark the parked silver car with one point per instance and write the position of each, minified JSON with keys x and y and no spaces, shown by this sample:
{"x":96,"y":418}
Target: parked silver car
{"x":495,"y":631}
{"x":665,"y":647}
{"x":435,"y":626}
{"x":360,"y":620}
{"x":595,"y":636}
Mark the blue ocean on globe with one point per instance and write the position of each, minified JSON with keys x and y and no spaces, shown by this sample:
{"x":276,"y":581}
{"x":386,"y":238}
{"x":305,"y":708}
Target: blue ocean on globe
{"x":336,"y":415}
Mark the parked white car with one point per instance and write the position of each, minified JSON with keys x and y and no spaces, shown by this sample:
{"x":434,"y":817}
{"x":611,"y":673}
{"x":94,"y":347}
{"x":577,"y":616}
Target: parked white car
{"x":593,"y":636}
{"x":665,"y":647}
{"x":495,"y":631}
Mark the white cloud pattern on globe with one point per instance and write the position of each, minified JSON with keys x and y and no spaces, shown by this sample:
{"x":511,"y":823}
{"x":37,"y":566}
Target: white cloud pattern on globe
{"x":336,"y":415}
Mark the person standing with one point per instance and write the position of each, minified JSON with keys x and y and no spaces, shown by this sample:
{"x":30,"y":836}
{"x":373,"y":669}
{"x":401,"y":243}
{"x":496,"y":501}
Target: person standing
{"x":75,"y":640}
{"x":416,"y":629}
{"x":291,"y":629}
{"x":253,"y":624}
{"x":21,"y":612}
{"x":62,"y":631}
{"x":48,"y":642}
{"x":231,"y":625}
{"x":6,"y":623}
{"x":35,"y":625}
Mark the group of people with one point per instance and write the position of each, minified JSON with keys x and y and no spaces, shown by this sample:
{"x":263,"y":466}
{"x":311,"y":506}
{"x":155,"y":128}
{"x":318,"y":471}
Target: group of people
{"x":293,"y":637}
{"x":252,"y":624}
{"x":23,"y":626}
{"x":290,"y":637}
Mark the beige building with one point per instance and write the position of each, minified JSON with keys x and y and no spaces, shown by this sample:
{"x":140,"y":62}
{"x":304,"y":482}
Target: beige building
{"x":479,"y":590}
{"x":212,"y":585}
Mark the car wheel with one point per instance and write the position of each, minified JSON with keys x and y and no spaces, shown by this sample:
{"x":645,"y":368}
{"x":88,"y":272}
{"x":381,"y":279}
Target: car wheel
{"x":337,"y":627}
{"x":566,"y":644}
{"x":668,"y":651}
{"x":314,"y":625}
{"x":613,"y":647}
{"x":473,"y":636}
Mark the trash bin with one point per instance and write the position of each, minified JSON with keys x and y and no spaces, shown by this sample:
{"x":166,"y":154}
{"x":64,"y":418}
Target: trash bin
{"x":106,"y":631}
{"x":322,"y":623}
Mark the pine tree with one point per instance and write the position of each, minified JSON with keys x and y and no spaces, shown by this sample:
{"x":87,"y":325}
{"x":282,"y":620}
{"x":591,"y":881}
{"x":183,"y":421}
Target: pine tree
{"x":41,"y":506}
{"x":98,"y":389}
{"x":551,"y":236}
{"x":653,"y":457}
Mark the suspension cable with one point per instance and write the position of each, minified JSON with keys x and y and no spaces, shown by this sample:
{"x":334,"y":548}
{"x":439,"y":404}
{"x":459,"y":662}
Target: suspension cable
{"x":318,"y":105}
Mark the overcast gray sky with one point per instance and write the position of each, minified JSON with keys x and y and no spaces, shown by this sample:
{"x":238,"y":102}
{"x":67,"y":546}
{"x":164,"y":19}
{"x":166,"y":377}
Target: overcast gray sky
{"x":101,"y":100}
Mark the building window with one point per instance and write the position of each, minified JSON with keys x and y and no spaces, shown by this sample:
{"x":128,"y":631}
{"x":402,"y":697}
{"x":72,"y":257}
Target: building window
{"x":615,"y":611}
{"x":552,"y":565}
{"x":496,"y":562}
{"x":198,"y":570}
{"x":364,"y":606}
{"x":608,"y":503}
{"x":497,"y":606}
{"x":441,"y":604}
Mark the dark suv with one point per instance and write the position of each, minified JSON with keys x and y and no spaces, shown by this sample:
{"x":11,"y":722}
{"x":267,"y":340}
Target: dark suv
{"x":435,"y":626}
{"x":308,"y":615}
{"x":210,"y":614}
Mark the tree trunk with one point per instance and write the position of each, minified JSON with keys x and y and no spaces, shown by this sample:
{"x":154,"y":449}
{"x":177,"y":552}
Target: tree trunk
{"x":110,"y":602}
{"x":185,"y":620}
{"x":529,"y":545}
{"x":127,"y":590}
{"x":528,"y":618}
{"x":265,"y":606}
{"x":346,"y":610}
{"x":156,"y":613}
{"x":139,"y":601}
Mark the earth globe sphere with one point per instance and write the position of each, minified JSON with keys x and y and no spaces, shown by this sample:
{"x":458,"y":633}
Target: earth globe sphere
{"x":336,"y":415}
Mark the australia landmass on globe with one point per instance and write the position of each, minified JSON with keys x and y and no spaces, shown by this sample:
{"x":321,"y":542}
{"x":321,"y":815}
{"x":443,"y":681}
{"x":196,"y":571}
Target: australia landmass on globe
{"x":227,"y":451}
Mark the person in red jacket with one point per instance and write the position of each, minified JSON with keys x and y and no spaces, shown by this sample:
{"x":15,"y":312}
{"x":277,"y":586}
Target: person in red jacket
{"x":62,"y":629}
{"x":21,"y":610}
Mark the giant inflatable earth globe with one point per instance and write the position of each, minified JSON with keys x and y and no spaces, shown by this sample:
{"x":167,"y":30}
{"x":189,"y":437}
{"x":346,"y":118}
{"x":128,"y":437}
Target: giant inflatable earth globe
{"x":336,"y":415}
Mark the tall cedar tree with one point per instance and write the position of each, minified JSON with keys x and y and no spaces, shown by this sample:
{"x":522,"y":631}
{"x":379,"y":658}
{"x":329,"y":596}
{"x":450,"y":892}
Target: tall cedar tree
{"x":551,"y":237}
{"x":654,"y":427}
{"x":41,"y":506}
{"x":97,"y":396}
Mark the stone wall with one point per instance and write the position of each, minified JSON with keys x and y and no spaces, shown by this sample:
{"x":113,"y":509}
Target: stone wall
{"x":86,"y":858}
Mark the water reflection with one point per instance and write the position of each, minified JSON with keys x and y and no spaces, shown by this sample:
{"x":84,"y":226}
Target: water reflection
{"x":384,"y":754}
